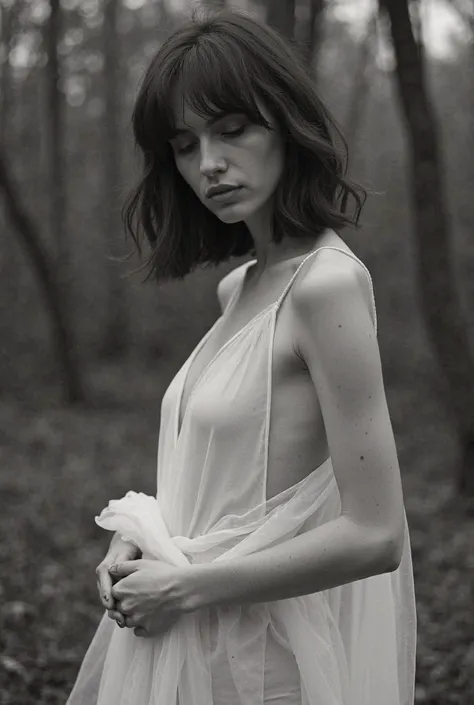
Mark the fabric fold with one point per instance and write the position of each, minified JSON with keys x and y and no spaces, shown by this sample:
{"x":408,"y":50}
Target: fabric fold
{"x":180,"y":655}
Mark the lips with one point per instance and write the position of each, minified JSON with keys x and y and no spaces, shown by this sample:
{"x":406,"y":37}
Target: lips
{"x":228,"y":196}
{"x":226,"y":190}
{"x":217,"y":190}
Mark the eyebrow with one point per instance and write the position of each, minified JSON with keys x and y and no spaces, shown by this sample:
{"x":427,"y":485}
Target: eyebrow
{"x":181,"y":131}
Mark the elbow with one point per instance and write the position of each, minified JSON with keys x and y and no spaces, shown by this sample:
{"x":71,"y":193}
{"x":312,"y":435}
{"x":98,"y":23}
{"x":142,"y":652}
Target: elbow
{"x":382,"y":549}
{"x":391,"y":552}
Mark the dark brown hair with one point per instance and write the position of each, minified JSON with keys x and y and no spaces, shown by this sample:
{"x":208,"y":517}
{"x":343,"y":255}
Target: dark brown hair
{"x":225,"y":60}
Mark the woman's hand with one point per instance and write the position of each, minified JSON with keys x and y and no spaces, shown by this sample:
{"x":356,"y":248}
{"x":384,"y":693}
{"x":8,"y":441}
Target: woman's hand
{"x":150,"y":594}
{"x":119,"y":550}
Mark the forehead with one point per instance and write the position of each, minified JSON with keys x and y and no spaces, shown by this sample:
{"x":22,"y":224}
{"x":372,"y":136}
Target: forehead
{"x":184,"y":117}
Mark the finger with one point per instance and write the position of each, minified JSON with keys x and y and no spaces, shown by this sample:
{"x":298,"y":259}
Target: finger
{"x":119,"y":594}
{"x":107,"y":600}
{"x":133,"y":620}
{"x":124,"y":568}
{"x":104,"y":586}
{"x":116,"y":593}
{"x":123,"y":607}
{"x":115,"y":615}
{"x":140,"y":631}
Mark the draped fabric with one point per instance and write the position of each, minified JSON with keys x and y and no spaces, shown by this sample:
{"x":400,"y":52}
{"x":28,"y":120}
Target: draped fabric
{"x":350,"y":645}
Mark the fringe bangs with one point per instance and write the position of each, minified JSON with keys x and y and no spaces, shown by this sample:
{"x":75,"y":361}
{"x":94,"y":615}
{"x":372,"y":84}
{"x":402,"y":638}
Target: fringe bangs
{"x":213,"y":80}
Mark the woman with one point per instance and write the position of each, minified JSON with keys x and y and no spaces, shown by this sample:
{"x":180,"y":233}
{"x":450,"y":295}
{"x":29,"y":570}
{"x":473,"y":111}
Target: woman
{"x":274,"y":564}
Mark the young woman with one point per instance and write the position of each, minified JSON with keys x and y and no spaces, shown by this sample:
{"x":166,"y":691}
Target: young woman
{"x":273,"y":566}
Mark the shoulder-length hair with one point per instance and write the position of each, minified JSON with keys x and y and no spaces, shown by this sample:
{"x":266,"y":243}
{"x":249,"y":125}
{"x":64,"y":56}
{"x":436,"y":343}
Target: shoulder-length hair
{"x":223,"y":62}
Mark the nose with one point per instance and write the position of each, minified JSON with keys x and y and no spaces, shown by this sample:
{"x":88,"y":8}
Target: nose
{"x":211,"y":158}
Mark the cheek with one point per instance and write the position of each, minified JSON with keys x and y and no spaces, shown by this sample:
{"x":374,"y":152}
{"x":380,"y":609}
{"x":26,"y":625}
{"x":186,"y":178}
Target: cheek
{"x":268,"y":156}
{"x":269,"y":167}
{"x":188,"y":175}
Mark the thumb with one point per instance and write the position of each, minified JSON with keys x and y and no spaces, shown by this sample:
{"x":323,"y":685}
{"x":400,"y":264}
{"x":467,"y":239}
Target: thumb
{"x":120,"y":570}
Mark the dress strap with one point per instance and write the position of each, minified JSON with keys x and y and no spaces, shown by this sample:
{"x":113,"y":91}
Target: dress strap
{"x":349,"y":254}
{"x":238,"y":287}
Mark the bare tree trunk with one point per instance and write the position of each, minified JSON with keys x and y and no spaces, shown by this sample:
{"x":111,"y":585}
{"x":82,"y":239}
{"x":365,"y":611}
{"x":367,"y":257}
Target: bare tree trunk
{"x":360,"y":87}
{"x":73,"y":387}
{"x":55,"y":108}
{"x":439,"y":299}
{"x":312,"y":43}
{"x":115,"y":340}
{"x":10,"y":264}
{"x":281,"y":16}
{"x":415,"y":10}
{"x":5,"y":78}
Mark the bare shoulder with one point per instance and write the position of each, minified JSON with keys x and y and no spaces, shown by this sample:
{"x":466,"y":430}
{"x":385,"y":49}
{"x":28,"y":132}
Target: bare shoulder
{"x":330,"y":273}
{"x":228,"y":284}
{"x":332,"y":261}
{"x":333,"y":326}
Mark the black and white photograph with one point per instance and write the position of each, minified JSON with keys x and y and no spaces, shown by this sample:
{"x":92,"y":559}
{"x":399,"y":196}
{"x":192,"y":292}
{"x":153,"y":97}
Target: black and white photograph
{"x":236,"y":352}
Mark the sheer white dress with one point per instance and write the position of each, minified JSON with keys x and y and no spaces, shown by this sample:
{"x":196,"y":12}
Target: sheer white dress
{"x":351,"y":645}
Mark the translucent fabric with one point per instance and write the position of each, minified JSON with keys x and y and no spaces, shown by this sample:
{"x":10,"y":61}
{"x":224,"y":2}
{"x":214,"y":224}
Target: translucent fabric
{"x":351,"y":645}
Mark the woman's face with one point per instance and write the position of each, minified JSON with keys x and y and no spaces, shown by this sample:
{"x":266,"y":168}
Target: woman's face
{"x":229,"y":151}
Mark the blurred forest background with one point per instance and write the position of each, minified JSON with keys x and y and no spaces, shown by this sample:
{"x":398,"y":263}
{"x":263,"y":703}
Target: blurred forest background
{"x":87,"y":349}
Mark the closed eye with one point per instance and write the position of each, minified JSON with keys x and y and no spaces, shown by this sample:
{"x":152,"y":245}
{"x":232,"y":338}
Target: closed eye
{"x":228,"y":133}
{"x":238,"y":131}
{"x":185,"y":150}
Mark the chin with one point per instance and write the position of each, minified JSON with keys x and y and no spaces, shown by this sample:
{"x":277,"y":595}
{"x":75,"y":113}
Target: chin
{"x":233,"y":215}
{"x":230,"y":217}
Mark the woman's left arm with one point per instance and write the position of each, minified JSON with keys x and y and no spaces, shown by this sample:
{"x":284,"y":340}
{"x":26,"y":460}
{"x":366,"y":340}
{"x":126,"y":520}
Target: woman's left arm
{"x":335,"y":337}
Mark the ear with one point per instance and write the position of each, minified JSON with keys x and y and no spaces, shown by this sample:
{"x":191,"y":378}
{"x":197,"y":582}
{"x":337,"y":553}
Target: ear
{"x":121,"y":570}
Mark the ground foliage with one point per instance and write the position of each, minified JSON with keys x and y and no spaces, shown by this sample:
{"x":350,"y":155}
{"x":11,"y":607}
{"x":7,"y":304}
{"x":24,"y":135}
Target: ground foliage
{"x":59,"y":468}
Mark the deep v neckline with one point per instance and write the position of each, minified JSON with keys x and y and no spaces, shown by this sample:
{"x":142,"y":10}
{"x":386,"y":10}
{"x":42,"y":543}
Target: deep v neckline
{"x":221,"y":349}
{"x":234,"y":298}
